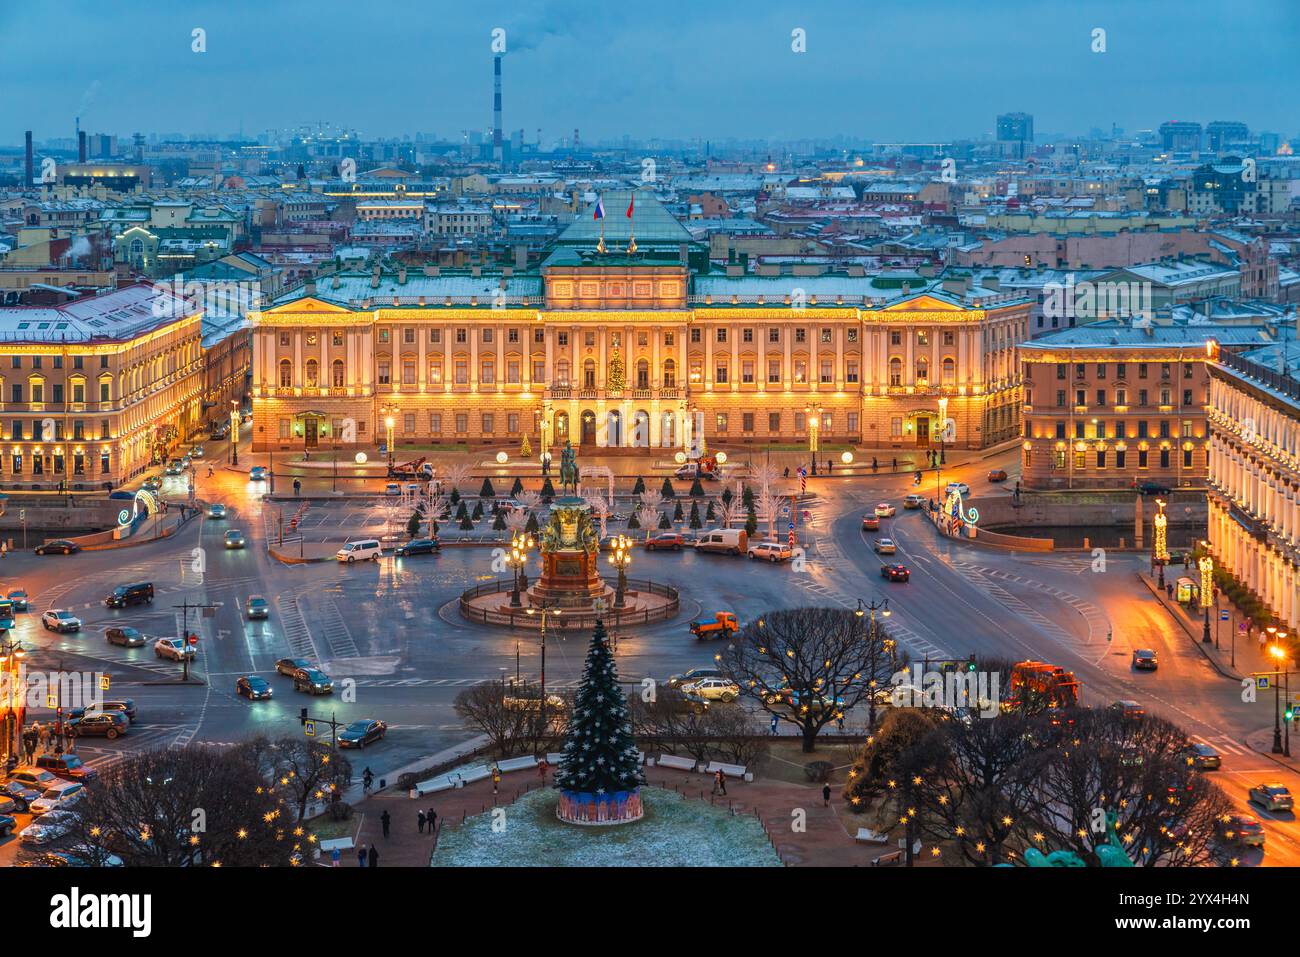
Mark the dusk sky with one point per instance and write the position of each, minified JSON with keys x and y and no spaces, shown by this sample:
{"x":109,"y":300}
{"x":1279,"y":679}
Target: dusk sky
{"x":885,"y":69}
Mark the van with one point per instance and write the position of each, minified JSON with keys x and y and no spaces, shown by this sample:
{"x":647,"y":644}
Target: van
{"x":123,"y":595}
{"x":732,"y":541}
{"x":366,"y":548}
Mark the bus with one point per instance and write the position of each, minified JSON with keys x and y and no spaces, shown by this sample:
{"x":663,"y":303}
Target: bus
{"x":6,"y":614}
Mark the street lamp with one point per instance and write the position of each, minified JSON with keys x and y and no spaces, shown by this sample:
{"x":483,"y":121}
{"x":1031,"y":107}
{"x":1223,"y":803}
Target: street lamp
{"x":234,"y":432}
{"x":11,"y":655}
{"x":943,"y":427}
{"x":1278,"y":655}
{"x":1160,"y":540}
{"x":545,"y":611}
{"x":1206,"y":565}
{"x":814,"y":433}
{"x":864,"y":609}
{"x":520,"y":543}
{"x":620,"y":557}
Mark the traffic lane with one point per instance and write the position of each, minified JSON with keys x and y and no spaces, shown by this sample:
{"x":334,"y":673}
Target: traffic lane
{"x":1281,"y":828}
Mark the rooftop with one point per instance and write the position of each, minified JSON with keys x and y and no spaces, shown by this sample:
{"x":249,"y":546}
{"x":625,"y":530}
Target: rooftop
{"x":117,"y":316}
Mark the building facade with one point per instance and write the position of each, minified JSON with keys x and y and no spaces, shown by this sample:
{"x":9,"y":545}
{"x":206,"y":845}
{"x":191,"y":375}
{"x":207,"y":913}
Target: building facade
{"x":94,"y":391}
{"x":1254,"y":477}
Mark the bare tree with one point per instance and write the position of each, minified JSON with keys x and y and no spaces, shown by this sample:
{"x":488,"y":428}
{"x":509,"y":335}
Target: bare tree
{"x":454,"y":477}
{"x":302,"y":769}
{"x":529,"y":500}
{"x":503,"y":715}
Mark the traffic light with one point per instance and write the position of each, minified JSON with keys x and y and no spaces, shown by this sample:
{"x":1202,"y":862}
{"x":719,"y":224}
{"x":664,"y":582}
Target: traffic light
{"x":1290,"y":711}
{"x":302,"y":716}
{"x":970,"y":663}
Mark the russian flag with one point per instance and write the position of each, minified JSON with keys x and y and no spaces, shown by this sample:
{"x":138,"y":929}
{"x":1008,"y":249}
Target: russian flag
{"x":600,"y":208}
{"x":630,"y":203}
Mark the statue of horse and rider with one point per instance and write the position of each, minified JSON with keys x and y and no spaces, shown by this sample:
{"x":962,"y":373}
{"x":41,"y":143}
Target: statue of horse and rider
{"x":568,"y":469}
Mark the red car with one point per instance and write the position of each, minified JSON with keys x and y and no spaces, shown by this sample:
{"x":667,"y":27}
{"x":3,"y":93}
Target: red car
{"x":666,"y":540}
{"x":67,"y":766}
{"x":997,"y":475}
{"x":895,"y":573}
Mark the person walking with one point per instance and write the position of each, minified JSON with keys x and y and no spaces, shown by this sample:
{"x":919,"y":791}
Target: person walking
{"x":334,"y":857}
{"x":43,"y":734}
{"x":385,"y":821}
{"x":361,"y":856}
{"x":542,"y":768}
{"x":874,"y":464}
{"x":4,"y":549}
{"x":367,"y":779}
{"x":432,"y":818}
{"x":419,"y":820}
{"x":373,"y":857}
{"x":720,"y":782}
{"x":775,"y":722}
{"x":826,"y":795}
{"x":496,"y":779}
{"x":72,"y":740}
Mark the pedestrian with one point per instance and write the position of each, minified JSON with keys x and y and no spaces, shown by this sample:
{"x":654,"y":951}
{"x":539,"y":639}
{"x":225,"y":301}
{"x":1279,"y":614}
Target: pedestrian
{"x":542,"y":768}
{"x":496,"y":779}
{"x":720,"y":782}
{"x":72,"y":740}
{"x":787,"y":472}
{"x":4,"y":550}
{"x":826,"y":795}
{"x":874,"y":464}
{"x":385,"y":820}
{"x":419,"y":819}
{"x":361,"y":856}
{"x":839,"y":721}
{"x":1169,"y":589}
{"x":828,"y":466}
{"x":209,"y":471}
{"x":775,"y":721}
{"x":895,"y":463}
{"x":374,"y":855}
{"x":334,"y":857}
{"x":432,"y":818}
{"x":367,"y":779}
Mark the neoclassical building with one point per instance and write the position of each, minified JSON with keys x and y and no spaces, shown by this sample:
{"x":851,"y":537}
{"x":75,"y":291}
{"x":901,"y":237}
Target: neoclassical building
{"x":1254,"y":474}
{"x":617,"y":347}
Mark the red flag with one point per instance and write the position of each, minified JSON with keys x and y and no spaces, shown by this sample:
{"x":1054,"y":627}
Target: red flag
{"x":630,"y":203}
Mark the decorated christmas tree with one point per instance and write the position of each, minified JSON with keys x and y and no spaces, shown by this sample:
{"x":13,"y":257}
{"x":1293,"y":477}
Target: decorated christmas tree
{"x":615,"y":379}
{"x":599,"y":772}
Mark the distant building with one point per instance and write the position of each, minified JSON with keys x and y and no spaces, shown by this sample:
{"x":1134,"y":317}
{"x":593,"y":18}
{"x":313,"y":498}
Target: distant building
{"x":1015,"y":135}
{"x":1180,"y":137}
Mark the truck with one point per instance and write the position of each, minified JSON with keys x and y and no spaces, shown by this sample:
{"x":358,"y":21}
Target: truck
{"x":723,"y":624}
{"x":415,"y":469}
{"x":705,"y":467}
{"x":1038,"y":686}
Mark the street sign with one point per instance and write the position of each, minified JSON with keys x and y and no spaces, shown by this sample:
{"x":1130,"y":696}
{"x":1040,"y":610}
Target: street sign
{"x":1223,"y":615}
{"x":1261,"y":683}
{"x":1242,"y":627}
{"x":309,"y":728}
{"x":194,"y":639}
{"x":104,"y":682}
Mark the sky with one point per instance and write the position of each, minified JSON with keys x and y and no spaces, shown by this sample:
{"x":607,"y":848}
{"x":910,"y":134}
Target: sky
{"x":888,"y":70}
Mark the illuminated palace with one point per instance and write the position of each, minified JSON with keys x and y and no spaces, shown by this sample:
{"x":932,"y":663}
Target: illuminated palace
{"x":627,"y":336}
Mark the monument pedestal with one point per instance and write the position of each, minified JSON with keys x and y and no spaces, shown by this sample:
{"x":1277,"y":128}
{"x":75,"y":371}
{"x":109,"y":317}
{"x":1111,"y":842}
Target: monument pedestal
{"x":569,"y":579}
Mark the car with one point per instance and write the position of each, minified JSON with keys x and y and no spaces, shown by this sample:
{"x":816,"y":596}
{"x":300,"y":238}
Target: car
{"x":19,"y":597}
{"x":78,"y":855}
{"x":7,"y":825}
{"x":1271,"y":797}
{"x":366,"y":548}
{"x":393,"y":488}
{"x":291,"y":666}
{"x":220,"y":431}
{"x":177,"y":649}
{"x":1241,"y":829}
{"x":197,"y":452}
{"x":67,"y":766}
{"x":1129,"y":709}
{"x":141,"y":593}
{"x":257,"y":607}
{"x":792,"y":699}
{"x":770,"y":551}
{"x":124,"y":636}
{"x":692,"y":674}
{"x":58,"y":546}
{"x":419,"y":546}
{"x":871,"y":523}
{"x":110,"y":724}
{"x":312,"y":681}
{"x":124,"y":706}
{"x":216,"y":510}
{"x":884,"y":546}
{"x":665,"y":540}
{"x":914,"y":501}
{"x":257,"y":473}
{"x":1144,"y":659}
{"x":61,"y":620}
{"x":885,"y":510}
{"x":1152,"y":488}
{"x":997,"y":475}
{"x":234,"y":538}
{"x":49,"y":827}
{"x":151,"y":484}
{"x":254,"y":688}
{"x":20,"y":794}
{"x":59,"y":797}
{"x":186,"y":462}
{"x":32,"y":778}
{"x":678,"y":701}
{"x":360,"y":733}
{"x":895,"y":573}
{"x":174,"y":467}
{"x":961,"y":488}
{"x":713,"y":689}
{"x":1130,"y":757}
{"x":1203,"y":757}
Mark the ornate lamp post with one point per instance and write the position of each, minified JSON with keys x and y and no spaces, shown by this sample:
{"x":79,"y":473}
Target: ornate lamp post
{"x":862,"y":611}
{"x":11,"y":656}
{"x":814,"y":433}
{"x":943,"y":427}
{"x":544,"y":612}
{"x":1276,"y":652}
{"x":620,"y":557}
{"x":1160,"y":541}
{"x":516,"y":559}
{"x":234,"y":432}
{"x":389,"y":411}
{"x":1206,"y":565}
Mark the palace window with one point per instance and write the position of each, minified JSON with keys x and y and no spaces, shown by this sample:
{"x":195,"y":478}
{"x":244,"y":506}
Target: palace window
{"x":826,"y":335}
{"x":948,"y":370}
{"x":562,"y":372}
{"x":852,"y":334}
{"x":851,"y":371}
{"x":286,"y":374}
{"x":773,"y":370}
{"x":827,"y":373}
{"x":589,"y":374}
{"x":462,"y":372}
{"x":385,"y":372}
{"x":670,"y":374}
{"x":408,"y":423}
{"x":336,"y":337}
{"x":313,"y":373}
{"x":336,"y":376}
{"x":512,"y":372}
{"x":722,"y":334}
{"x":895,"y":371}
{"x":774,"y":422}
{"x":747,"y":372}
{"x":720,"y":372}
{"x":774,"y":334}
{"x":800,"y":371}
{"x":489,"y":423}
{"x":801,"y":335}
{"x":669,"y":339}
{"x":408,"y":336}
{"x":435,"y":423}
{"x":488,"y":374}
{"x":435,"y":373}
{"x":922,"y":371}
{"x":487,"y":334}
{"x":722,"y":422}
{"x":462,"y":423}
{"x":408,"y":373}
{"x":747,"y":335}
{"x":512,"y":335}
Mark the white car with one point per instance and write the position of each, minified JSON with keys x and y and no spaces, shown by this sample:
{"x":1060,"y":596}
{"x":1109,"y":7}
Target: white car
{"x":885,"y":510}
{"x":713,"y":689}
{"x":58,"y":797}
{"x":367,"y":549}
{"x":885,"y":546}
{"x":770,"y":551}
{"x":914,"y":501}
{"x":48,"y":827}
{"x":392,"y":488}
{"x":58,"y":619}
{"x":961,"y":488}
{"x":177,"y":649}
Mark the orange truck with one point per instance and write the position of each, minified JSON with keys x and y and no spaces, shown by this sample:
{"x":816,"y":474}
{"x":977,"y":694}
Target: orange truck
{"x":722,"y":625}
{"x":1037,"y":686}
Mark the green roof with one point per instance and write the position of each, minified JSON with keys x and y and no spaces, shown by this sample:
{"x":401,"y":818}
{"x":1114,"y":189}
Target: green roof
{"x":652,"y":223}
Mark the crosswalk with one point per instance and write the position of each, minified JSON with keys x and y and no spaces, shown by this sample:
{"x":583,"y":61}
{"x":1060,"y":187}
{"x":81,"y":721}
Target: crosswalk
{"x":988,"y":578}
{"x":334,"y":629}
{"x":1223,"y":744}
{"x":295,"y":629}
{"x":363,"y":682}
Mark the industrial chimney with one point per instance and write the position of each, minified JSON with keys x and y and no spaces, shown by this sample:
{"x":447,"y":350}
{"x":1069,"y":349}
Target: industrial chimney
{"x":497,"y":154}
{"x":29,"y":173}
{"x":81,"y":146}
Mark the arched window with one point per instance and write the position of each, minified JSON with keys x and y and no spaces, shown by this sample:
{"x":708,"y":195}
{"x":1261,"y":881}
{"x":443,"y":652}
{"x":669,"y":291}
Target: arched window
{"x":337,"y":373}
{"x":895,"y":371}
{"x":589,"y":374}
{"x":949,"y":371}
{"x":670,"y":374}
{"x":922,"y":370}
{"x":286,"y":373}
{"x":562,"y":372}
{"x":642,"y":374}
{"x":313,"y":373}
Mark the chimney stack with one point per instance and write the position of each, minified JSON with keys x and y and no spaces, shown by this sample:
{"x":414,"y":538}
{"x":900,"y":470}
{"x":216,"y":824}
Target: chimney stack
{"x":29,"y":173}
{"x":497,"y":153}
{"x":81,"y":146}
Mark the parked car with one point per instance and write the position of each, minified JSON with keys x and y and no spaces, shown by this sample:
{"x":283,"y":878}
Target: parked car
{"x":58,"y":546}
{"x":678,"y":701}
{"x":1152,"y":488}
{"x":216,"y":510}
{"x":692,"y":674}
{"x":886,"y":510}
{"x":32,"y":778}
{"x":67,"y":766}
{"x":140,"y":593}
{"x":254,"y":688}
{"x":1241,"y":829}
{"x":884,"y":546}
{"x":713,"y":689}
{"x":59,"y":797}
{"x":48,"y":827}
{"x":19,"y":597}
{"x":1271,"y":797}
{"x":60,"y":620}
{"x":20,"y":794}
{"x":360,"y":733}
{"x":1203,"y":757}
{"x":771,"y":551}
{"x":78,"y":855}
{"x":257,"y":608}
{"x":914,"y":501}
{"x":393,"y":488}
{"x":110,"y":724}
{"x":1144,"y":659}
{"x":177,"y":649}
{"x":419,"y":546}
{"x":234,"y":538}
{"x":291,"y":666}
{"x":732,"y":541}
{"x":895,"y":573}
{"x":257,"y":474}
{"x":365,"y":549}
{"x":312,"y":681}
{"x":665,"y":540}
{"x":997,"y":475}
{"x":871,"y":523}
{"x":124,"y":636}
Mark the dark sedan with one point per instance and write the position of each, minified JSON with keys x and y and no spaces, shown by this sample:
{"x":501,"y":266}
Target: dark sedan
{"x":291,"y":666}
{"x":254,"y":688}
{"x":1145,"y":659}
{"x":360,"y":733}
{"x":126,"y":637}
{"x":312,"y":681}
{"x":895,"y":573}
{"x":419,"y":546}
{"x":59,"y":546}
{"x":19,"y":793}
{"x":1153,"y":488}
{"x":110,"y":724}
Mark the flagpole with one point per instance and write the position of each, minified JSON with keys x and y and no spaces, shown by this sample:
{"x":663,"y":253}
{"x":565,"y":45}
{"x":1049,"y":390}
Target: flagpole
{"x":631,"y":214}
